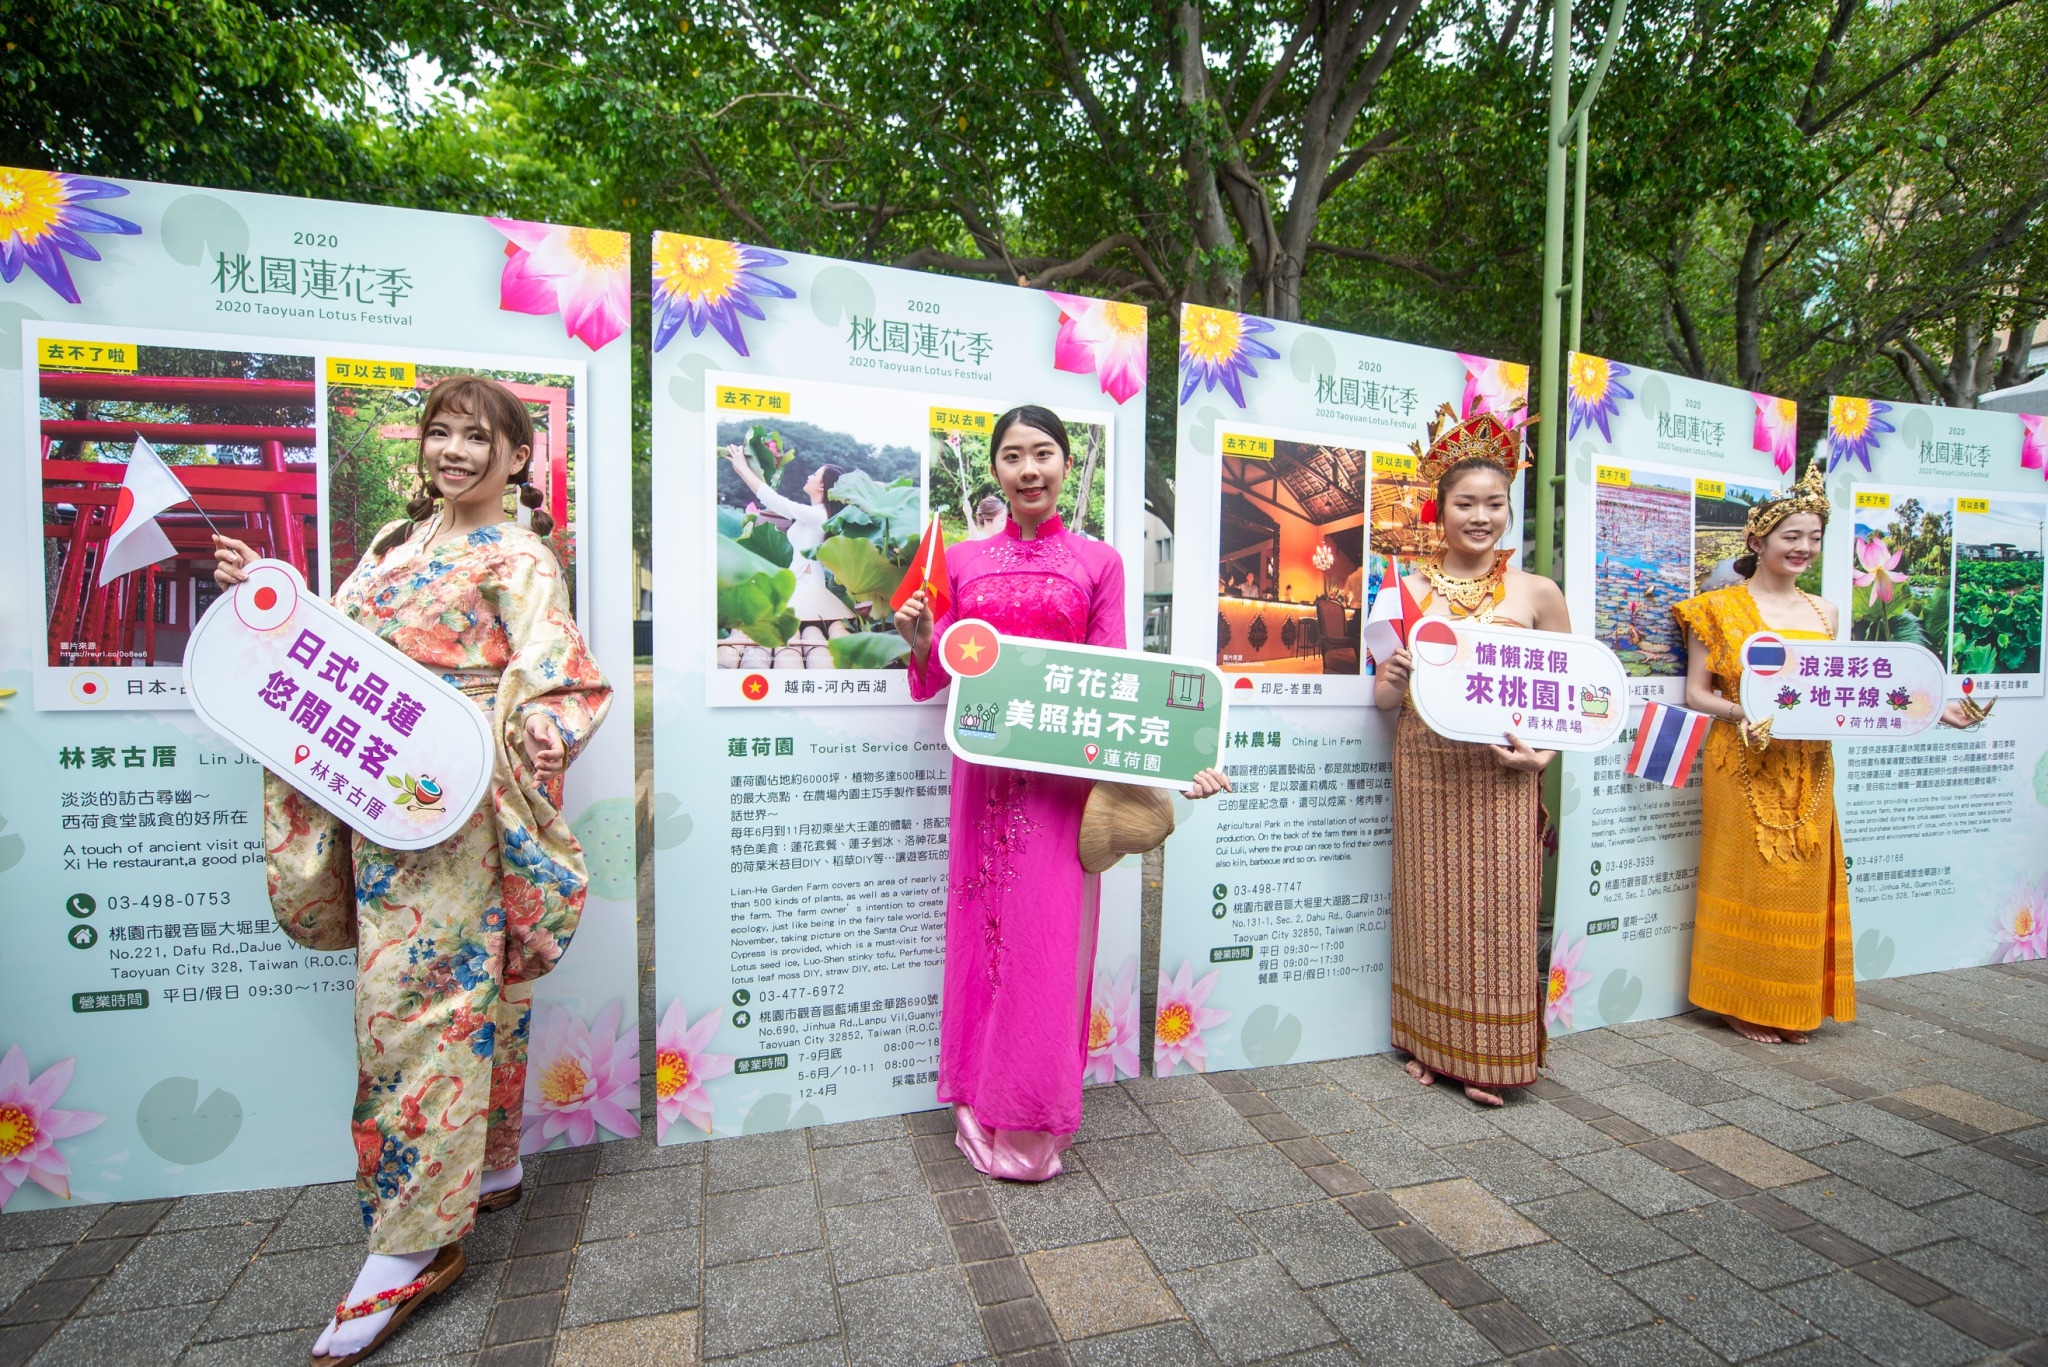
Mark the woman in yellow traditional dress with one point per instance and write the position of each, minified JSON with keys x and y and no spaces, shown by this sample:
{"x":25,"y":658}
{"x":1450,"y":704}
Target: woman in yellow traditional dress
{"x":1468,"y":854}
{"x":448,"y":938}
{"x":1771,"y":944}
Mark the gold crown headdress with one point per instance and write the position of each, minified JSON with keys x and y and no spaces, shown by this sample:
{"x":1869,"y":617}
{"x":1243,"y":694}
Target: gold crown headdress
{"x":1483,"y":436}
{"x":1809,"y":495}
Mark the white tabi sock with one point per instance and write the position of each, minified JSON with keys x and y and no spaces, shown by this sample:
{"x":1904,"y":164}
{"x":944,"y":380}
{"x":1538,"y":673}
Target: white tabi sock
{"x":381,"y":1272}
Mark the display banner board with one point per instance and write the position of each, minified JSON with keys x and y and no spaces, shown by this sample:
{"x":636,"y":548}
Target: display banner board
{"x":1841,"y":691}
{"x":275,"y":353}
{"x":809,"y":415}
{"x":1481,"y":683}
{"x":386,"y":745}
{"x":1660,"y":473}
{"x":1296,"y":480}
{"x":1081,"y":711}
{"x":1936,"y":539}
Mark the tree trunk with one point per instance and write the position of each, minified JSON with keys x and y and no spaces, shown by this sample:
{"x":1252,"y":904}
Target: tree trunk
{"x":1749,"y":365}
{"x":1087,"y":478}
{"x":966,"y":490}
{"x":1209,"y":280}
{"x":2012,"y":366}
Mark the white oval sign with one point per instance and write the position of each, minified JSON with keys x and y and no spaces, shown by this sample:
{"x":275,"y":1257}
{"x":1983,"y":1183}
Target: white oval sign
{"x":1478,"y":683}
{"x":363,"y":729}
{"x":1840,"y":690}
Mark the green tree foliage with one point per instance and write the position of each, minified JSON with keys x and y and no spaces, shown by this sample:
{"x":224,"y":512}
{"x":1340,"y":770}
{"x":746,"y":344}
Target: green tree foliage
{"x":1799,"y":196}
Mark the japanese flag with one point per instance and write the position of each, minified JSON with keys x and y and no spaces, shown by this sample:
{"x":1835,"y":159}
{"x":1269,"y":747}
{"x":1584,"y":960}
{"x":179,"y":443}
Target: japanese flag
{"x":147,"y":489}
{"x":1394,"y":612}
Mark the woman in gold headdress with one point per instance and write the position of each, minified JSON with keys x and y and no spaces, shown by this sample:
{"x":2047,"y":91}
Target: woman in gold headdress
{"x":1771,"y":945}
{"x":1468,"y":855}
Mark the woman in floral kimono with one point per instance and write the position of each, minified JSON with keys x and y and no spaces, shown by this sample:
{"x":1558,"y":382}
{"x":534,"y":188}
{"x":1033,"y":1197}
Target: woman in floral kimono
{"x":448,"y":939}
{"x":1020,"y":909}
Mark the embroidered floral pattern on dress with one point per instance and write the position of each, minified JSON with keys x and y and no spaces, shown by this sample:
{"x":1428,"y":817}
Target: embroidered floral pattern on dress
{"x":1010,"y":829}
{"x":1013,"y":1035}
{"x":447,"y":937}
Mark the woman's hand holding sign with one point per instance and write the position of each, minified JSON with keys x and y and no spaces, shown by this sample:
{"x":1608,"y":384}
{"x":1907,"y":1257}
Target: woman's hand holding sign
{"x":1517,"y":755}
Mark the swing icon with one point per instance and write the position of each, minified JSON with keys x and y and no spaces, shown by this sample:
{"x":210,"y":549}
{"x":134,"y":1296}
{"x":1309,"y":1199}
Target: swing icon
{"x":1187,"y":689}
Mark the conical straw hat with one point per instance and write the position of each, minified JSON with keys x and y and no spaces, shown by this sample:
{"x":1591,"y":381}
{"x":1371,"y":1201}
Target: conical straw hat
{"x":1121,"y":819}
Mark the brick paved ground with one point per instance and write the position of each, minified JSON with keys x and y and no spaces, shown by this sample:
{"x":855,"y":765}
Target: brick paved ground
{"x":1670,"y":1195}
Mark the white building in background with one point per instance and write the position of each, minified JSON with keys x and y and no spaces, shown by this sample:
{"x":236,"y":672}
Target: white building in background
{"x":1158,"y":584}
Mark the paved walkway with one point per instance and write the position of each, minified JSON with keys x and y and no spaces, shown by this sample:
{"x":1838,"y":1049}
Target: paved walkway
{"x":1669,"y":1195}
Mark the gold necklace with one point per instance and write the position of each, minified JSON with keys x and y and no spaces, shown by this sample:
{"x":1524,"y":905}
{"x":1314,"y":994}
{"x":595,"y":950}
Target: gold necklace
{"x":1464,"y":596}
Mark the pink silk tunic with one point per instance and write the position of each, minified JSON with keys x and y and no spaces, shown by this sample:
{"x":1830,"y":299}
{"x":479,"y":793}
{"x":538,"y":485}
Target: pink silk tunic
{"x":1020,"y":913}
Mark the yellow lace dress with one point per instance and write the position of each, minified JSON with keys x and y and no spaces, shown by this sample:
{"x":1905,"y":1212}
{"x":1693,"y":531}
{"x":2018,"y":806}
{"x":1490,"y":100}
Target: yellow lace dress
{"x":1770,"y":941}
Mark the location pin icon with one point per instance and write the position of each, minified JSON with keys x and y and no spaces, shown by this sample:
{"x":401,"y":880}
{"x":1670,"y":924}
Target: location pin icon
{"x":299,"y":755}
{"x":1091,"y":751}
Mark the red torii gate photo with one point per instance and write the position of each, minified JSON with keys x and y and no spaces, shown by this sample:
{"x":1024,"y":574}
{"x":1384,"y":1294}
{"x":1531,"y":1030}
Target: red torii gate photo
{"x":143,"y":617}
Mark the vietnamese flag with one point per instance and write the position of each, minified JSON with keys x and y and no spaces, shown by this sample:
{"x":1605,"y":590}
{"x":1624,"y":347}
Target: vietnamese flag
{"x":928,"y":572}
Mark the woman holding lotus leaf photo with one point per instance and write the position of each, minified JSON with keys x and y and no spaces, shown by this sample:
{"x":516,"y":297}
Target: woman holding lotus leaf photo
{"x":448,"y":939}
{"x":804,"y":578}
{"x":1020,"y":907}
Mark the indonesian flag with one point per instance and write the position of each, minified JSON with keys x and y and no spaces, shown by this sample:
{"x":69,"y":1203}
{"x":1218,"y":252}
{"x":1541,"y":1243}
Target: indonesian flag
{"x":1667,"y":738}
{"x":1393,"y":615}
{"x":928,"y":572}
{"x":147,"y":489}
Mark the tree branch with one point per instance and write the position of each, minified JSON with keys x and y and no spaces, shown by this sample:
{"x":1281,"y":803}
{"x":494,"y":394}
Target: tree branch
{"x":1086,"y":261}
{"x":1435,"y":274}
{"x":1824,"y":61}
{"x":732,"y":206}
{"x":806,"y":97}
{"x":1932,"y":47}
{"x":1355,"y":160}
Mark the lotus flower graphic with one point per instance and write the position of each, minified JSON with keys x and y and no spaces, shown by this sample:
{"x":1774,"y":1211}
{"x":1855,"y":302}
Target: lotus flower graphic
{"x":1879,"y":570}
{"x":1899,"y":699}
{"x":1788,"y":697}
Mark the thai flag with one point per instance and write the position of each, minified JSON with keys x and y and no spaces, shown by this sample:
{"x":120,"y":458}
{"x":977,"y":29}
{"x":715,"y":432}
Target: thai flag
{"x":1667,"y":738}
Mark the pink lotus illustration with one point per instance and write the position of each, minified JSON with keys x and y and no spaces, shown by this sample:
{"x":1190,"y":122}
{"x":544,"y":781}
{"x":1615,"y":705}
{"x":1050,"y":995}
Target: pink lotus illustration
{"x":1103,"y":338}
{"x":1777,"y":429}
{"x":579,"y":1077}
{"x":584,"y":274}
{"x":2034,"y":443}
{"x":31,"y":1125}
{"x":1177,"y":1029}
{"x":2022,"y":928}
{"x":1788,"y":697}
{"x":1565,"y":979}
{"x":1113,"y":1026}
{"x":682,"y":1066}
{"x":1880,"y":569}
{"x":1495,"y":387}
{"x":42,"y":214}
